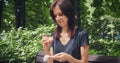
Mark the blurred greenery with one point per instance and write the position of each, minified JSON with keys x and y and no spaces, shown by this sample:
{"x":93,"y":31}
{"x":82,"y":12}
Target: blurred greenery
{"x":101,"y":18}
{"x":22,"y":45}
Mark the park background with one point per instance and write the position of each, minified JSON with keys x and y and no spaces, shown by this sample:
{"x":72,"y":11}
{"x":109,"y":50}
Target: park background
{"x":23,"y":21}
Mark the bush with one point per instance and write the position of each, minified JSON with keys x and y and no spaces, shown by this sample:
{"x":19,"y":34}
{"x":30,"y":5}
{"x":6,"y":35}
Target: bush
{"x":105,"y":47}
{"x":21,"y":45}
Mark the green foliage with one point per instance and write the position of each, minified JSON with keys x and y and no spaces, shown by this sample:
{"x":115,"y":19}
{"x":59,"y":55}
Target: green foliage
{"x":37,"y":13}
{"x":102,"y":24}
{"x":8,"y":18}
{"x":105,"y":47}
{"x":112,"y":8}
{"x":21,"y":45}
{"x":101,"y":18}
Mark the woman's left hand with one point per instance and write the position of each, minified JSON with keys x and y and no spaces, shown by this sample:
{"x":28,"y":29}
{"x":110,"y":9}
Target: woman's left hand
{"x":61,"y":57}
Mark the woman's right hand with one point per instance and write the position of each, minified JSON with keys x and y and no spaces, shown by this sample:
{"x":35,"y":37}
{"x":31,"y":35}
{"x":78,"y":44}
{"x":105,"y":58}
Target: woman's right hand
{"x":46,"y":42}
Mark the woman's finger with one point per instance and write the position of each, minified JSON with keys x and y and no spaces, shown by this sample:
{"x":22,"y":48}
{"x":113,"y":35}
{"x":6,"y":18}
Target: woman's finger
{"x":44,"y":35}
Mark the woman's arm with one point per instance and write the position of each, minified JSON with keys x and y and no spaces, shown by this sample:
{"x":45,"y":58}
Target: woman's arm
{"x":50,"y":59}
{"x":46,"y":42}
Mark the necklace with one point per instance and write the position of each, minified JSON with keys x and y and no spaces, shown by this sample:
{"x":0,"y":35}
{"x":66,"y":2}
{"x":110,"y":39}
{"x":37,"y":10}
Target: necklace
{"x":64,"y":39}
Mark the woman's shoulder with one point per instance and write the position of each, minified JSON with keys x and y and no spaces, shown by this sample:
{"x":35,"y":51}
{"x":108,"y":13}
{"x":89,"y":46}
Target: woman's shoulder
{"x":81,"y":31}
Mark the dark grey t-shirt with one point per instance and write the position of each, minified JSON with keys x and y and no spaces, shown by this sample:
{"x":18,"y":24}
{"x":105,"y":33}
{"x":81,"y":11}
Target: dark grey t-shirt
{"x":73,"y":46}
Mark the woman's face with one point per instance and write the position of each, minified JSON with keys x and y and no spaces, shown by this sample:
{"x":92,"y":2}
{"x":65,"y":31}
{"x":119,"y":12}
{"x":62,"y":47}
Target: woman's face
{"x":60,"y":18}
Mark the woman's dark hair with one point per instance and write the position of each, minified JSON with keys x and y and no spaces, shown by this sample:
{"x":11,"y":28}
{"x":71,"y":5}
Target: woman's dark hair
{"x":68,"y":10}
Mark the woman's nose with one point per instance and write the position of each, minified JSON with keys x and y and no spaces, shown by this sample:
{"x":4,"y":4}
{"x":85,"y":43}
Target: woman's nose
{"x":57,"y":18}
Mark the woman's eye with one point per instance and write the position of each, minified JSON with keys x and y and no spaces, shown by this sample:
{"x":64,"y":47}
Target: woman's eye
{"x":60,"y":14}
{"x":54,"y":15}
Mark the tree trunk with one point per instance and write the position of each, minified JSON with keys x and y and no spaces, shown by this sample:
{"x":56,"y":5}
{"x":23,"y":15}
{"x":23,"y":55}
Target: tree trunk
{"x":20,"y":13}
{"x":1,"y":4}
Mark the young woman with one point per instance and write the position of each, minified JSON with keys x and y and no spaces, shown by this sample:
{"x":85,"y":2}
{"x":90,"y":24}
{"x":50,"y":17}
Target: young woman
{"x":68,"y":44}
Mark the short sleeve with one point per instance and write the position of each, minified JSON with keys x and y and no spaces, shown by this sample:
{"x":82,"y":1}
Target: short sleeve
{"x":83,"y":38}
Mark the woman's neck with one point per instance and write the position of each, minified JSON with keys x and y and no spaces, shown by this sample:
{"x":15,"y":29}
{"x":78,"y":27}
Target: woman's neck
{"x":65,"y":30}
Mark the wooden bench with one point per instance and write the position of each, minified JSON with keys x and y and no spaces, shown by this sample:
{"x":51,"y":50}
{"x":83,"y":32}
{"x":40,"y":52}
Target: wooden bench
{"x":92,"y":58}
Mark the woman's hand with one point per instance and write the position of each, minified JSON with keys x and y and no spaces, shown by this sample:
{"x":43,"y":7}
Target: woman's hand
{"x":61,"y":57}
{"x":46,"y":41}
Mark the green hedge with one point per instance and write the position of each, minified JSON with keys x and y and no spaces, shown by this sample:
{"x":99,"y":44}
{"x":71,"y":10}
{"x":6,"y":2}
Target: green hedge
{"x":105,"y":47}
{"x":21,"y":45}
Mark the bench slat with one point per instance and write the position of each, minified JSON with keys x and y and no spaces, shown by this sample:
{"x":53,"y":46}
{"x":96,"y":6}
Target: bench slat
{"x":104,"y":59}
